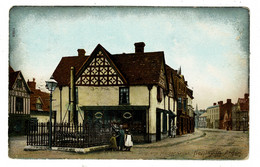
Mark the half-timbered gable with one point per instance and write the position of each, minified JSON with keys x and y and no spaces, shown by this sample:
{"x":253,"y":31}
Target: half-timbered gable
{"x":19,"y":102}
{"x":99,"y":70}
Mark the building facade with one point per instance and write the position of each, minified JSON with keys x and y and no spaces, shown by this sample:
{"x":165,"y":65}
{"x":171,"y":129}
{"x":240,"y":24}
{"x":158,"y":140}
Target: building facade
{"x":225,"y":115}
{"x":240,"y":114}
{"x":39,"y":103}
{"x":203,"y":120}
{"x":19,"y":103}
{"x":213,"y":116}
{"x":136,"y":90}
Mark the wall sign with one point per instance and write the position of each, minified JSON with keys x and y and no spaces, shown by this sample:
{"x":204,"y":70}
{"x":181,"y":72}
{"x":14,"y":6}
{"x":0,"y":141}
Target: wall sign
{"x":127,"y":115}
{"x":98,"y":115}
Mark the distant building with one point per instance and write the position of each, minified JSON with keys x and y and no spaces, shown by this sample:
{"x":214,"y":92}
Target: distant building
{"x":197,"y":114}
{"x":240,"y":114}
{"x":19,"y":103}
{"x":225,"y":115}
{"x":213,"y":116}
{"x":202,"y":121}
{"x":40,"y":103}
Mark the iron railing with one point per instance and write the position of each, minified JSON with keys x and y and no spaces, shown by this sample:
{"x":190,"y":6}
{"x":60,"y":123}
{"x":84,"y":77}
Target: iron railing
{"x":69,"y":135}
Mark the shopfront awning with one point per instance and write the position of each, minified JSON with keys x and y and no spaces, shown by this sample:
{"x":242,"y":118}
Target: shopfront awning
{"x":171,"y":113}
{"x":113,"y":108}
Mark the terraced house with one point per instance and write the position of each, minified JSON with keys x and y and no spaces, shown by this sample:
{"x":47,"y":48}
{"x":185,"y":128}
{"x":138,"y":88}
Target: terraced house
{"x":136,"y":90}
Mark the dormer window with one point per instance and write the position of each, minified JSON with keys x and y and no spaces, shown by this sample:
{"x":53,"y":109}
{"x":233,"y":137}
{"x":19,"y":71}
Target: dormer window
{"x":124,"y":95}
{"x":38,"y":104}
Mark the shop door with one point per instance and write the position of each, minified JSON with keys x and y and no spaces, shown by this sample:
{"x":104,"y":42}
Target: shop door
{"x":158,"y":126}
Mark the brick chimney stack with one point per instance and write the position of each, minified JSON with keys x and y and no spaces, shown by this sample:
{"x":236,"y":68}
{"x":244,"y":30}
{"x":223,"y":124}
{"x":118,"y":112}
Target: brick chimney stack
{"x":139,"y":47}
{"x":246,"y":96}
{"x":81,"y":52}
{"x":32,"y":84}
{"x":220,"y":103}
{"x":214,"y":104}
{"x":228,"y":100}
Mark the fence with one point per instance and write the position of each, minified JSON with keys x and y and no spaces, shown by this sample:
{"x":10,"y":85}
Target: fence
{"x":69,"y":135}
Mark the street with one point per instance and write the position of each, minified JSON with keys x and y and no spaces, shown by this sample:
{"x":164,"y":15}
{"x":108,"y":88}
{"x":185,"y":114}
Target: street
{"x":203,"y":144}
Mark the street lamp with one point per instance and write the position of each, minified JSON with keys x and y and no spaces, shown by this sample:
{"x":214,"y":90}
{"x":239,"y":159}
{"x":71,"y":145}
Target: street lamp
{"x":50,"y":85}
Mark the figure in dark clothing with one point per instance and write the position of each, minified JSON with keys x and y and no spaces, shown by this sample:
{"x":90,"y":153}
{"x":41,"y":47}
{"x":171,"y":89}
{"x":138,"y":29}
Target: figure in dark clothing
{"x":121,"y":138}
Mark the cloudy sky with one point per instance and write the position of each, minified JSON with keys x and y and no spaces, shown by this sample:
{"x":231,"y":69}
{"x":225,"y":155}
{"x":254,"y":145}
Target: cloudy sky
{"x":209,"y":44}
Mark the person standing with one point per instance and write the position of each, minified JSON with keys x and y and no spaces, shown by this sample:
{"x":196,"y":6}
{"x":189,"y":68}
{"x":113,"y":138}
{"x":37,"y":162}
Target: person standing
{"x":113,"y":143}
{"x":128,"y":140}
{"x":121,"y":138}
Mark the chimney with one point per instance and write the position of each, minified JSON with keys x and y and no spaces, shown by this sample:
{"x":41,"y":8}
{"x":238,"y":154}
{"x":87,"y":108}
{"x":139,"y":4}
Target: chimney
{"x":81,"y":52}
{"x":228,"y":100}
{"x":220,"y":103}
{"x":32,"y":84}
{"x":246,"y":96}
{"x":139,"y":47}
{"x":214,"y":104}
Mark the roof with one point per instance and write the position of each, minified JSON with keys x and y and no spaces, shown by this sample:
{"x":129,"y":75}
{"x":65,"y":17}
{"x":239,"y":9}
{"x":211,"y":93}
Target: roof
{"x":213,"y":106}
{"x":38,"y":94}
{"x":13,"y":75}
{"x":137,"y":68}
{"x":140,"y":68}
{"x":204,"y":114}
{"x":62,"y":71}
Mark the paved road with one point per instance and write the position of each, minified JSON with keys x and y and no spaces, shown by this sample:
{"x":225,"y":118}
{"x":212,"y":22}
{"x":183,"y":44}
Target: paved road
{"x":214,"y":145}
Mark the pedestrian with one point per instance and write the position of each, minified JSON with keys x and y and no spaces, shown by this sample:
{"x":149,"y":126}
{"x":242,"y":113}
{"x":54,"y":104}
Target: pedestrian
{"x":174,"y":131}
{"x":121,"y":138}
{"x":128,"y":140}
{"x":113,"y":143}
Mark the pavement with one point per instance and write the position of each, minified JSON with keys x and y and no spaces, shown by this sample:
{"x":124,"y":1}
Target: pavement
{"x":163,"y":143}
{"x":173,"y":141}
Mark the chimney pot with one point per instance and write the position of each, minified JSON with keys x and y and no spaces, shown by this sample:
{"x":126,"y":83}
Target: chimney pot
{"x":81,"y":52}
{"x":139,"y":47}
{"x":228,"y":100}
{"x":214,"y":104}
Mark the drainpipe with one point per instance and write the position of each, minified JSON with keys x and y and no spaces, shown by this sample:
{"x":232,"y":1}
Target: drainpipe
{"x":149,"y":88}
{"x":60,"y":104}
{"x":72,"y":88}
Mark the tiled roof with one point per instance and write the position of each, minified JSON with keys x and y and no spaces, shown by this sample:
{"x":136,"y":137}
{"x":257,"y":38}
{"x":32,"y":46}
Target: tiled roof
{"x":12,"y":78}
{"x":137,"y":68}
{"x":35,"y":94}
{"x":62,"y":71}
{"x":140,"y":68}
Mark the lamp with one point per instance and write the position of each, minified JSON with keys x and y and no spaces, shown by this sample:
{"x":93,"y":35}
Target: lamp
{"x":50,"y":85}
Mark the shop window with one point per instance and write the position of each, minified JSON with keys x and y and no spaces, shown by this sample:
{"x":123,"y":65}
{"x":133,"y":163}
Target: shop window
{"x":124,"y":95}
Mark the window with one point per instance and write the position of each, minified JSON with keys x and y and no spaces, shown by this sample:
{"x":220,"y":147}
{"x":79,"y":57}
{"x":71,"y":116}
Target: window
{"x":179,"y":104}
{"x":159,"y":93}
{"x":38,"y":106}
{"x":124,"y":95}
{"x":185,"y":104}
{"x":19,"y":104}
{"x":19,"y":83}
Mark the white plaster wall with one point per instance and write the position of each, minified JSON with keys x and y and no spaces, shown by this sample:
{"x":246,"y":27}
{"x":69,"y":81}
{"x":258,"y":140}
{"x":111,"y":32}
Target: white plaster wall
{"x":139,"y":95}
{"x":41,"y":118}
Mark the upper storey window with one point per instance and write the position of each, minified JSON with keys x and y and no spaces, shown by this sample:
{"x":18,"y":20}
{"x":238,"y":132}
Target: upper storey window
{"x":124,"y":95}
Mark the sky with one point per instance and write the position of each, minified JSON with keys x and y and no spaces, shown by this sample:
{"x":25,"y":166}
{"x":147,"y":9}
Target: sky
{"x":211,"y":45}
